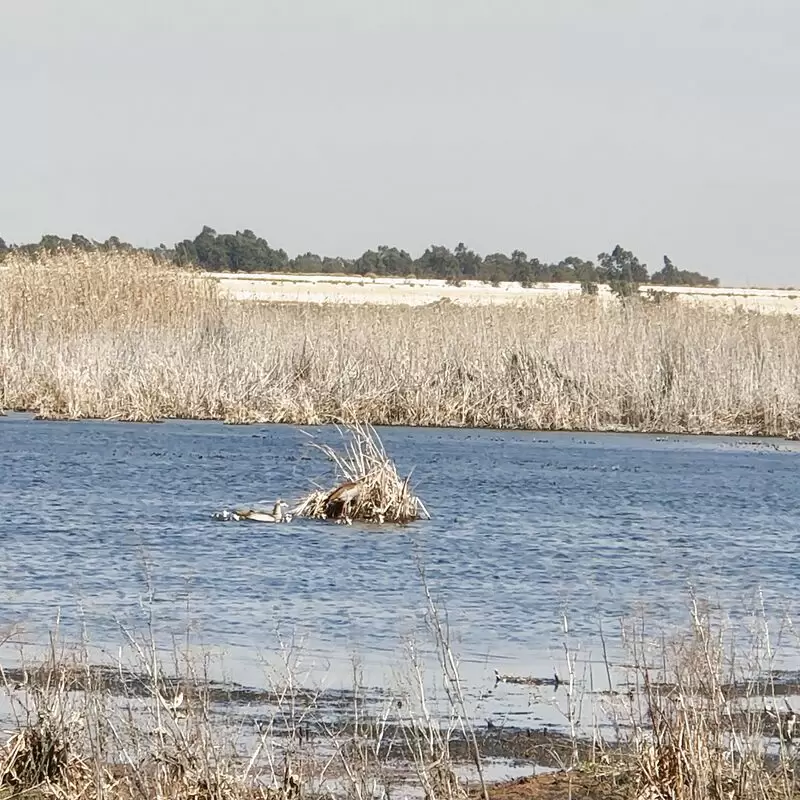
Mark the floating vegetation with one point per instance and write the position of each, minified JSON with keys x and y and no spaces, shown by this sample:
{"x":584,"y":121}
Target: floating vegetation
{"x":369,"y":489}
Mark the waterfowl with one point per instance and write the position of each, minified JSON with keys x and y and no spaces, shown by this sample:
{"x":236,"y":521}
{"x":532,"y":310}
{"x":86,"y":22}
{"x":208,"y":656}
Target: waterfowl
{"x":277,"y":515}
{"x":340,"y":501}
{"x":785,"y":722}
{"x":555,"y":681}
{"x":174,"y":704}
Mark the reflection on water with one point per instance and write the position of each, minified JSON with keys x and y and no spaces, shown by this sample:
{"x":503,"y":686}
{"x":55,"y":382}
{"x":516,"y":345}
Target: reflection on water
{"x":526,"y":527}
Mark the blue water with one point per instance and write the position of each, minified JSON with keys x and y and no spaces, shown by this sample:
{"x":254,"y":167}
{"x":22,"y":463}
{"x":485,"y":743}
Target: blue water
{"x":525,"y":527}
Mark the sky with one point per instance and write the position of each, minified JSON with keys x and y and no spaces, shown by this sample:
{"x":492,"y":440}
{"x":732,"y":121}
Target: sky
{"x":558,"y":127}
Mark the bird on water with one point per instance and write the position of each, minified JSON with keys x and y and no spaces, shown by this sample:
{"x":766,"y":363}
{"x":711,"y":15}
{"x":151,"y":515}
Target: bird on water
{"x":278,"y":514}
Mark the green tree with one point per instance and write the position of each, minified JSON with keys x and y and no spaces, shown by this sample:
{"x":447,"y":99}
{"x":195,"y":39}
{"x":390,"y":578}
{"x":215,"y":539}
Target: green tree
{"x":306,"y":263}
{"x":241,"y":251}
{"x":622,"y":271}
{"x":437,"y":262}
{"x":81,"y":242}
{"x":497,"y":267}
{"x":384,"y":261}
{"x":469,"y":262}
{"x":670,"y":275}
{"x":574,"y":269}
{"x":622,"y":265}
{"x":245,"y":251}
{"x":114,"y":243}
{"x":521,"y":269}
{"x":395,"y":261}
{"x":50,"y":242}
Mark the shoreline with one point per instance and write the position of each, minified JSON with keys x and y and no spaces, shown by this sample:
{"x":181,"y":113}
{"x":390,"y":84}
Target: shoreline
{"x":325,"y":742}
{"x":112,"y":337}
{"x":33,"y":415}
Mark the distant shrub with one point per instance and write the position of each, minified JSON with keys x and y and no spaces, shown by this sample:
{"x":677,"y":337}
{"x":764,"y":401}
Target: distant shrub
{"x":659,"y":296}
{"x":624,"y":290}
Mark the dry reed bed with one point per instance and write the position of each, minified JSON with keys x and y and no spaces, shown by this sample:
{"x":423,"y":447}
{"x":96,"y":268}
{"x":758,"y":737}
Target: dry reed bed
{"x":130,"y":731}
{"x":116,"y":336}
{"x":691,"y":735}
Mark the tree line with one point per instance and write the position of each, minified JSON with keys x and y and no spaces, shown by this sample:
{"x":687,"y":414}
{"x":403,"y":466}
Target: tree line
{"x":244,"y":251}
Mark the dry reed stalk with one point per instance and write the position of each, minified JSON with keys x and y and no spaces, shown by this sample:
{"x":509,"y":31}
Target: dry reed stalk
{"x":698,"y":733}
{"x":118,"y":336}
{"x":150,"y":736}
{"x":369,"y":487}
{"x":45,"y":754}
{"x":698,"y":722}
{"x":134,"y":732}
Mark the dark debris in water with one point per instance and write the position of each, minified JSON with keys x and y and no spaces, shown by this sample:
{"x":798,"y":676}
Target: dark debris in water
{"x":121,"y":682}
{"x":760,"y":445}
{"x":777,"y":683}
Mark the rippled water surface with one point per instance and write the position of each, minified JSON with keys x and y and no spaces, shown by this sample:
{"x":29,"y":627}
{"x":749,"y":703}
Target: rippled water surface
{"x":525,"y":526}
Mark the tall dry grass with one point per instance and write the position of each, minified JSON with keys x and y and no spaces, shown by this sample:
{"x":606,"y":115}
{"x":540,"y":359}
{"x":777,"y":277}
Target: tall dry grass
{"x":700,"y":716}
{"x":707,"y":713}
{"x":150,"y":726}
{"x":113,"y":335}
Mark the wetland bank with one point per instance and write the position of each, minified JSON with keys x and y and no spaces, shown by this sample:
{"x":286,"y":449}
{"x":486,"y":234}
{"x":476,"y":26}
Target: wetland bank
{"x":114,"y":335}
{"x":109,"y":527}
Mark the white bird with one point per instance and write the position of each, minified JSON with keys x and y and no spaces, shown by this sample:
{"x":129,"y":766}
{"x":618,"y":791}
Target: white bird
{"x":277,"y":515}
{"x":173,"y":705}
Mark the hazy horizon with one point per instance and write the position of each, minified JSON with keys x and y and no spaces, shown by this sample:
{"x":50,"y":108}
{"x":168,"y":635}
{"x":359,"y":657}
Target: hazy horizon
{"x":338,"y":125}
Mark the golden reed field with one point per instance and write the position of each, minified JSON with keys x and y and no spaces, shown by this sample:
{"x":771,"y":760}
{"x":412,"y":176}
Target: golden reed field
{"x":116,"y":336}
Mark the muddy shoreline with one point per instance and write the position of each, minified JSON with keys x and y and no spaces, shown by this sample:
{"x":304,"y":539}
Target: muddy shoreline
{"x":769,"y":441}
{"x":368,"y":712}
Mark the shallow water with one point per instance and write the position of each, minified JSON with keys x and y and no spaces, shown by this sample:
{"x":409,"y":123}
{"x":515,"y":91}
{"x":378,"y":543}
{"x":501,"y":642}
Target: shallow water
{"x":525,"y":527}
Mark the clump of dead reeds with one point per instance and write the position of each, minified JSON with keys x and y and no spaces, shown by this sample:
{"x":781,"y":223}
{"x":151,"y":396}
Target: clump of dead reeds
{"x":369,"y":488}
{"x":137,"y":729}
{"x":46,"y":754}
{"x":703,"y":720}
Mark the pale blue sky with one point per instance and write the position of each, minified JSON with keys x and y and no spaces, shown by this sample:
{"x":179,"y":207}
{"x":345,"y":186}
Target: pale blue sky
{"x":557,"y":127}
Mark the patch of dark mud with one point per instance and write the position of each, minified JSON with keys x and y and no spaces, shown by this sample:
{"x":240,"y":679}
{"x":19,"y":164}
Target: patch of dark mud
{"x":544,"y":747}
{"x":778,"y":683}
{"x":125,"y":683}
{"x":563,"y":785}
{"x":399,"y":742}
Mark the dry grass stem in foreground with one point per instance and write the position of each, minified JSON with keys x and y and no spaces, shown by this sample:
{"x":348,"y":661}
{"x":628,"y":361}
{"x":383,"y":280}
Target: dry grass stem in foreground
{"x":369,"y":490}
{"x":703,"y":716}
{"x":141,"y":729}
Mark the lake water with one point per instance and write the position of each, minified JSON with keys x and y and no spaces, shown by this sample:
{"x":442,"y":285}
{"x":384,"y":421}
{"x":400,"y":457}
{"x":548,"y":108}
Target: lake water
{"x":525,"y":527}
